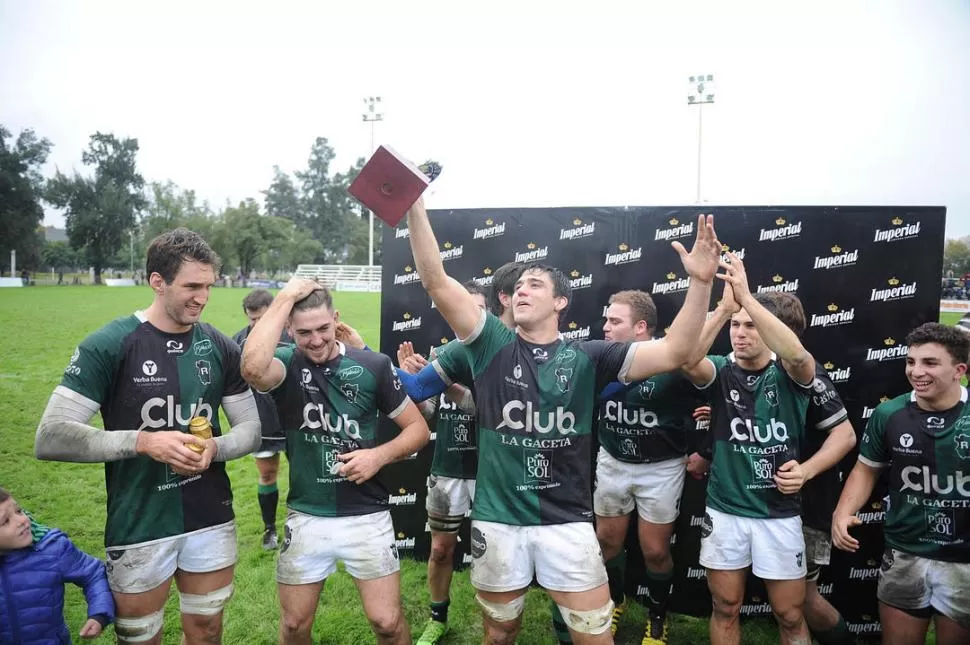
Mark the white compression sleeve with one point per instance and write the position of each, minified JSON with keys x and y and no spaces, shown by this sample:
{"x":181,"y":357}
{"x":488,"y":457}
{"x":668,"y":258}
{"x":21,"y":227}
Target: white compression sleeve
{"x":243,"y":437}
{"x":64,"y":434}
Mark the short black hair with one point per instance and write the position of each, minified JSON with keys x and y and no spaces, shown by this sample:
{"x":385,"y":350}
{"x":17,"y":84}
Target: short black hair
{"x":474,"y":288}
{"x":319,"y":298}
{"x":168,"y":251}
{"x":956,"y":342}
{"x":560,"y":283}
{"x":784,"y":306}
{"x":503,"y":281}
{"x":257,"y":299}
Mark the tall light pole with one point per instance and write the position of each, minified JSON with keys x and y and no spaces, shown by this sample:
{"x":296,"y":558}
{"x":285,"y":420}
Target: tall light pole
{"x":371,"y":116}
{"x":700,"y":91}
{"x":131,"y":250}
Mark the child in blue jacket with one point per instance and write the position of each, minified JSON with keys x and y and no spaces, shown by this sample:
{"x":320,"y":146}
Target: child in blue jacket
{"x":35,"y":562}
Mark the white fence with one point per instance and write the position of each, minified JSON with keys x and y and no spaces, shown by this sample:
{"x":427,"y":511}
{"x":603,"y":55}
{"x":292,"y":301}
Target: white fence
{"x":343,"y":277}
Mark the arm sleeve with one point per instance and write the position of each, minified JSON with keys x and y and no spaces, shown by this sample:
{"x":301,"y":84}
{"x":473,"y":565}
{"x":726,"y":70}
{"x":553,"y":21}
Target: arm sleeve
{"x":826,"y":410}
{"x":423,"y":385}
{"x":243,"y":437}
{"x":88,"y":573}
{"x":872,"y":450}
{"x":391,"y":397}
{"x":63,"y":433}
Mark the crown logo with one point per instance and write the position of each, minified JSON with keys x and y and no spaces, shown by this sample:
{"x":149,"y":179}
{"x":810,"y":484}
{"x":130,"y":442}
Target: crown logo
{"x":447,"y":245}
{"x":829,"y":365}
{"x":889,"y":341}
{"x":444,"y":341}
{"x":876,"y":506}
{"x":883,"y":398}
{"x":489,"y":221}
{"x":573,"y":325}
{"x":755,"y":598}
{"x":866,"y":617}
{"x":871,"y":562}
{"x":401,"y":490}
{"x":531,"y":245}
{"x":622,"y":246}
{"x":671,"y":275}
{"x":400,"y":535}
{"x":667,"y":329}
{"x":897,"y":221}
{"x":836,"y":249}
{"x":725,"y":248}
{"x":408,"y":269}
{"x":832,"y":307}
{"x":574,"y":273}
{"x":407,"y":316}
{"x":577,"y":222}
{"x":780,"y":221}
{"x":777,"y":278}
{"x":487,"y":271}
{"x":674,"y":221}
{"x":893,"y":281}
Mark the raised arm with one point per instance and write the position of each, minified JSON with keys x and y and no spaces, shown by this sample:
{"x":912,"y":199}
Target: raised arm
{"x":456,"y":305}
{"x":672,"y":351}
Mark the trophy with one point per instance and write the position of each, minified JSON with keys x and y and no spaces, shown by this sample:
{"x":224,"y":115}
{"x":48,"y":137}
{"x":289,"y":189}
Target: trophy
{"x":389,"y":184}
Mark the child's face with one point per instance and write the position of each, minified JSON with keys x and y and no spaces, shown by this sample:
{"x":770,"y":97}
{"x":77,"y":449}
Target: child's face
{"x":14,"y":526}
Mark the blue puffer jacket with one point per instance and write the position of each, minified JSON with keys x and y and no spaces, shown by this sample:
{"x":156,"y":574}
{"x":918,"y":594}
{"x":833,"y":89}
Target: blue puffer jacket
{"x":32,"y":590}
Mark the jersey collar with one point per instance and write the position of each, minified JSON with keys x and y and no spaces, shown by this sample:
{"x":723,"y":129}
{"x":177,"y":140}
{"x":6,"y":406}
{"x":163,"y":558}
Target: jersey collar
{"x":963,"y":395}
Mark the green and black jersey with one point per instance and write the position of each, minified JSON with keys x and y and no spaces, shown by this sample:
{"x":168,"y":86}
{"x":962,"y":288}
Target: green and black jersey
{"x":928,"y":455}
{"x":456,"y":431}
{"x":142,"y":378}
{"x":328,"y":410}
{"x":535,"y":418}
{"x":758,"y":421}
{"x":820,"y":495}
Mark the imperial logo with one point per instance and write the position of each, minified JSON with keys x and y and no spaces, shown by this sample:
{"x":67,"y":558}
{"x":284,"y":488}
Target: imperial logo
{"x":898,"y":231}
{"x":696,"y":573}
{"x":778,"y":283}
{"x":673,"y":284}
{"x":826,"y":589}
{"x":832,"y":317}
{"x":867,"y":411}
{"x":864,"y":628}
{"x":864,"y":573}
{"x":838,"y":374}
{"x":696,"y":520}
{"x":579,"y":281}
{"x":490,"y":230}
{"x":625,"y":255}
{"x":578,"y":231}
{"x":400,"y":233}
{"x":533,"y":253}
{"x":575,"y":332}
{"x":410,"y":276}
{"x":404,"y":499}
{"x":408,"y":324}
{"x":451,"y":252}
{"x":785,"y":231}
{"x":837,"y":260}
{"x":895,"y":291}
{"x":485,"y":279}
{"x":675,"y":231}
{"x":403,"y":543}
{"x":758,"y":609}
{"x":875,"y":516}
{"x":890,"y":351}
{"x":724,"y":252}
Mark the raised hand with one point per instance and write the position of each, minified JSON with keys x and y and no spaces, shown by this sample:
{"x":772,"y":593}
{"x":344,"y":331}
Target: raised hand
{"x":702,"y":261}
{"x":299,"y":288}
{"x":735,"y":275}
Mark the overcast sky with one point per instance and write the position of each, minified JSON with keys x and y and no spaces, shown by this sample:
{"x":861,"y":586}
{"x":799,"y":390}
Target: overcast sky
{"x":525,"y":103}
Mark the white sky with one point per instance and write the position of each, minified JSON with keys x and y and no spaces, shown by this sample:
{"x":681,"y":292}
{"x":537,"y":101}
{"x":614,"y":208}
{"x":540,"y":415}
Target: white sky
{"x":525,"y":103}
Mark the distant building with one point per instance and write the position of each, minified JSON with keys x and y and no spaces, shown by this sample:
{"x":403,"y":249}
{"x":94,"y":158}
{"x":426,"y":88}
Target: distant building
{"x":54,"y":234}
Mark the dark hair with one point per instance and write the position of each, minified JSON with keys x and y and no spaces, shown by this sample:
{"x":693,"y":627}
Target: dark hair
{"x":641,"y":306}
{"x":502,"y":282}
{"x":168,"y":251}
{"x":560,"y":283}
{"x":317,"y":299}
{"x":257,"y":299}
{"x":786,"y":307}
{"x":4,"y":495}
{"x":474,"y":288}
{"x":956,"y":342}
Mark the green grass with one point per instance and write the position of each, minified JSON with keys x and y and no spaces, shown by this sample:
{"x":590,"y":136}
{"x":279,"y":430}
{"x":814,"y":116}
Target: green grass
{"x":41,"y":327}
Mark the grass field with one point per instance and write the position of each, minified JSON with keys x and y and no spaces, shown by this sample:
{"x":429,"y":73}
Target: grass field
{"x":41,"y":328}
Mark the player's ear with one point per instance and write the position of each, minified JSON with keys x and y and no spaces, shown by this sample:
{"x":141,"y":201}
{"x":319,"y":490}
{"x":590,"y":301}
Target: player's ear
{"x":336,"y":316}
{"x":157,"y":282}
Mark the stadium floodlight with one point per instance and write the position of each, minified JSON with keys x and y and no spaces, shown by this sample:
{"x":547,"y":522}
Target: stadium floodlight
{"x":371,"y":116}
{"x":700,"y":90}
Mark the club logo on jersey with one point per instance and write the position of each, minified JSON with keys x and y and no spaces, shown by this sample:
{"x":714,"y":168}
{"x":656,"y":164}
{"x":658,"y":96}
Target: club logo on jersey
{"x":204,"y":369}
{"x":460,"y":434}
{"x":350,"y":373}
{"x":539,"y":354}
{"x":630,"y":417}
{"x":578,"y":231}
{"x":149,"y":368}
{"x":517,"y":371}
{"x":935,"y":423}
{"x":350,"y":391}
{"x":771,"y":394}
{"x":72,"y":367}
{"x":403,"y":498}
{"x":624,"y":255}
{"x":939,"y":523}
{"x":174,"y":347}
{"x":893,"y":291}
{"x":675,"y":231}
{"x":962,"y":445}
{"x":628,"y":447}
{"x":538,"y":467}
{"x":890,"y":352}
{"x":407,"y":323}
{"x":563,"y":374}
{"x":838,"y":374}
{"x":832,"y":317}
{"x":763,"y":468}
{"x":202,"y":347}
{"x":451,"y":252}
{"x":707,"y":525}
{"x":566,"y":356}
{"x":672,"y":285}
{"x":749,"y":432}
{"x":410,"y":276}
{"x":490,"y":230}
{"x":646,"y":389}
{"x":478,"y":543}
{"x":172,"y":416}
{"x":925,"y":480}
{"x":575,"y":332}
{"x":782,"y":231}
{"x":517,"y":415}
{"x":837,"y":260}
{"x":579,"y":281}
{"x":305,"y":376}
{"x":779,"y":284}
{"x":316,"y":417}
{"x":735,"y":396}
{"x":818,"y":385}
{"x":532,"y":253}
{"x":897,"y":231}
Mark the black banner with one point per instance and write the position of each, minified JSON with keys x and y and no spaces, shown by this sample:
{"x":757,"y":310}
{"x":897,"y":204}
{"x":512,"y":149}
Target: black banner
{"x":865,"y":276}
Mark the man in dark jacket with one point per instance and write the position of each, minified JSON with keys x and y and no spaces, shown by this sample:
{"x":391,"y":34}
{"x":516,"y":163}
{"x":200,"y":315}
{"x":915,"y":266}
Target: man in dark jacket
{"x":35,"y":562}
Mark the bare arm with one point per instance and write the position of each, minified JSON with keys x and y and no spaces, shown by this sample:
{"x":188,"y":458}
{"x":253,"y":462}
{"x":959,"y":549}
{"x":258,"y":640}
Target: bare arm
{"x":858,"y":488}
{"x":361,"y":465}
{"x":456,"y":305}
{"x":837,"y":445}
{"x":712,"y":326}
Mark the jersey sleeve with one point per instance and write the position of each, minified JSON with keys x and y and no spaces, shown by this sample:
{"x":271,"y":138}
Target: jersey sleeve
{"x":284,"y":355}
{"x":234,"y":383}
{"x":872,"y":450}
{"x":612,"y":360}
{"x":826,"y":410}
{"x":719,"y":362}
{"x":488,"y":337}
{"x":90,"y":372}
{"x":391,"y":397}
{"x":452,"y":364}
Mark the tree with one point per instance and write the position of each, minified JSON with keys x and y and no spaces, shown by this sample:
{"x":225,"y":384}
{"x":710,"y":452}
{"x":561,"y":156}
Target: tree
{"x":101,"y":209}
{"x":58,"y":256}
{"x":283,"y":199}
{"x":251,"y":234}
{"x":956,"y":257}
{"x":328,"y":206}
{"x":21,"y":188}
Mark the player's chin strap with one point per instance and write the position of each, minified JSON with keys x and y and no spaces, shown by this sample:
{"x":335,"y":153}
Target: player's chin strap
{"x":140,"y":629}
{"x":593,"y":621}
{"x":206,"y":604}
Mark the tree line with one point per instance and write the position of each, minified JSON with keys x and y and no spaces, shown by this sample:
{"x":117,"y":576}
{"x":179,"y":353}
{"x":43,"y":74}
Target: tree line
{"x":111,"y":213}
